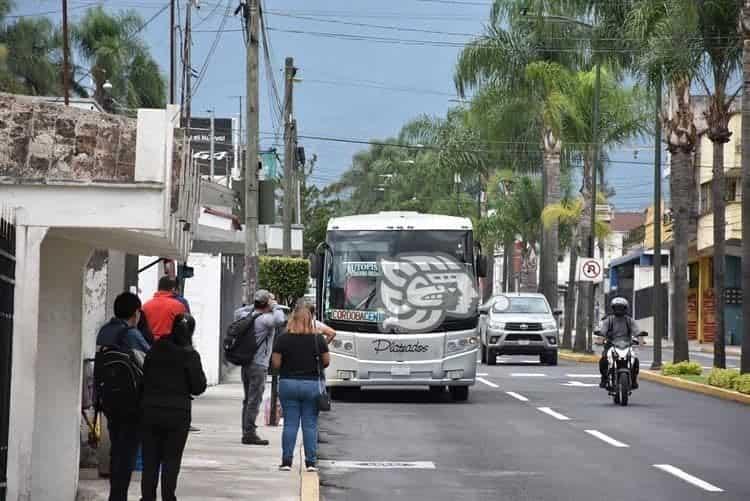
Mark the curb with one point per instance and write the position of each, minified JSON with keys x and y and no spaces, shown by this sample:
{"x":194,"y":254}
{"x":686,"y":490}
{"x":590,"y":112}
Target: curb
{"x":705,"y":389}
{"x":310,"y":490}
{"x":578,"y":357}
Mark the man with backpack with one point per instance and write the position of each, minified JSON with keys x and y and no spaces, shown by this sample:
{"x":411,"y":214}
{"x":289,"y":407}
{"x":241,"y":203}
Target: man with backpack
{"x":118,"y":371}
{"x":249,"y":343}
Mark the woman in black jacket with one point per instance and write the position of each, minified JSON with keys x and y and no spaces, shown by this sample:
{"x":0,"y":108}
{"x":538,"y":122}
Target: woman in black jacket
{"x":172,"y":373}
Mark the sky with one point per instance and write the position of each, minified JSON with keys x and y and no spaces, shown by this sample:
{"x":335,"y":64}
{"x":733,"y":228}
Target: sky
{"x":351,"y":88}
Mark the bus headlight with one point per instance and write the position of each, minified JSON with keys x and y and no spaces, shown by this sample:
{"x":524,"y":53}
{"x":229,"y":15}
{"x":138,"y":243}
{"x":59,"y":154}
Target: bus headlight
{"x":342,"y":346}
{"x":461,"y":344}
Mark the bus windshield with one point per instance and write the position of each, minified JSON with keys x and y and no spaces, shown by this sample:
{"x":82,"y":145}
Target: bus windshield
{"x":353,"y":274}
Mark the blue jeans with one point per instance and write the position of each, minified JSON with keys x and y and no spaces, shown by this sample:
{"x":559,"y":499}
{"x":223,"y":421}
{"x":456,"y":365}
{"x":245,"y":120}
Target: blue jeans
{"x":299,"y":401}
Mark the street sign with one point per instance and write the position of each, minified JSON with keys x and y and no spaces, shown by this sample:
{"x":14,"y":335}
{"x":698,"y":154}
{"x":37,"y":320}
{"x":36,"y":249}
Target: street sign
{"x":590,"y":270}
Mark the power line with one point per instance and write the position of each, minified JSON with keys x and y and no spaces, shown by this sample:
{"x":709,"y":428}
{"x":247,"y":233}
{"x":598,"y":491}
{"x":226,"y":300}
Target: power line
{"x":212,"y":50}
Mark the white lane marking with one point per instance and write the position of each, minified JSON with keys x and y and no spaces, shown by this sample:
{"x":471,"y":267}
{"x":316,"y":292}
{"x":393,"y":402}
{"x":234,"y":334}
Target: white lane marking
{"x":583,"y":375}
{"x":380,"y":465}
{"x":517,"y":396}
{"x":488,"y":383}
{"x":528,"y":374}
{"x":554,"y":414}
{"x":688,"y":477}
{"x":605,"y":438}
{"x":579,"y":384}
{"x":482,"y":374}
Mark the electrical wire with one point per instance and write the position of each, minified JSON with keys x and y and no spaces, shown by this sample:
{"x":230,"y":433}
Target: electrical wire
{"x":204,"y":69}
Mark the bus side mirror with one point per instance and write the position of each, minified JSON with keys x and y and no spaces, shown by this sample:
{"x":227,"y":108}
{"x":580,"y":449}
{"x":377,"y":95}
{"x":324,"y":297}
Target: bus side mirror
{"x":482,"y":265}
{"x":316,"y":265}
{"x":557,"y":313}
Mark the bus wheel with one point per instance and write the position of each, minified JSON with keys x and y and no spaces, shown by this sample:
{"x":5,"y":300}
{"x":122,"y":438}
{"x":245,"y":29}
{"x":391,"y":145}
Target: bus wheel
{"x":459,"y":393}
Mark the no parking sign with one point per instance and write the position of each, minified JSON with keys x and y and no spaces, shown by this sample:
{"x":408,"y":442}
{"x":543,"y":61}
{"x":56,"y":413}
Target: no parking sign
{"x":590,"y":270}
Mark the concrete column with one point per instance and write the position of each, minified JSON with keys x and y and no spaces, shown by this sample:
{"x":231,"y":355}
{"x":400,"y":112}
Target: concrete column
{"x":23,"y":375}
{"x":56,"y":445}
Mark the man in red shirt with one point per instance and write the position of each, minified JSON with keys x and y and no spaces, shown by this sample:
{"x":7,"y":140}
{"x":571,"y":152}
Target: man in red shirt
{"x":163,"y":308}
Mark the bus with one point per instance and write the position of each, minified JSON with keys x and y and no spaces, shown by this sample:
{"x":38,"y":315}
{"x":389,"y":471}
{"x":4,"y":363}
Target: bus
{"x":400,"y":289}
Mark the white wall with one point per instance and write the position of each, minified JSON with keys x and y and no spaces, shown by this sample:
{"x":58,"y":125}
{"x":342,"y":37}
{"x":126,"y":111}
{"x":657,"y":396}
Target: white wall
{"x":203,"y":291}
{"x":95,"y":306}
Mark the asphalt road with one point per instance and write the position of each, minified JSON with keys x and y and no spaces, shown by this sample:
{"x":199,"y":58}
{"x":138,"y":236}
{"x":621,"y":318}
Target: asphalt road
{"x":501,"y":446}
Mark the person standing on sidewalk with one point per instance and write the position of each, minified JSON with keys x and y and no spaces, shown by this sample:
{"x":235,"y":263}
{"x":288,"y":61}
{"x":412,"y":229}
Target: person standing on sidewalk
{"x":163,"y":308}
{"x":300,"y":355}
{"x":270,"y":317}
{"x":172,"y":374}
{"x":120,"y":334}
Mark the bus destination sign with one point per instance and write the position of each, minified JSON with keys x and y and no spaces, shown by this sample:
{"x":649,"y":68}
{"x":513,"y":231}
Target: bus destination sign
{"x":355,"y":315}
{"x":362,"y":269}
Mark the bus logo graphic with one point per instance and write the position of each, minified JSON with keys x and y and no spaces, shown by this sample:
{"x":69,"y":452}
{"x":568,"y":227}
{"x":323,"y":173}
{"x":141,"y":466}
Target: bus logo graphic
{"x":417,"y":291}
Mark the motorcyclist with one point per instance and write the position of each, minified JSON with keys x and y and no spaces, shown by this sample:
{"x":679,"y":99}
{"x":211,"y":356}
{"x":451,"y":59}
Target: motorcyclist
{"x":615,"y":326}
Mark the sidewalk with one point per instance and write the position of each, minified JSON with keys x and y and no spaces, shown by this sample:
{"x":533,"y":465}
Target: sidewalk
{"x":216,"y":466}
{"x":732,"y":351}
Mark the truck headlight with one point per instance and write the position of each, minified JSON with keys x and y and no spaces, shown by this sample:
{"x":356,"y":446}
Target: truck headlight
{"x":549,"y":326}
{"x":342,"y":346}
{"x":497,"y":325}
{"x":461,"y":344}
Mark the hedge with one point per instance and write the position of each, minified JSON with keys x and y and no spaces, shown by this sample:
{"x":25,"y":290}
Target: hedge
{"x":285,"y":277}
{"x":682,"y":369}
{"x":742,"y":384}
{"x":723,"y":378}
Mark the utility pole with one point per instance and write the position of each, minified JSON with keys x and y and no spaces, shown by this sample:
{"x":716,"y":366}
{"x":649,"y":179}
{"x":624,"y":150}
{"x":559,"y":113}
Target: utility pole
{"x":171,"y":52}
{"x":290,"y":152}
{"x":188,"y":76}
{"x":658,"y":287}
{"x":212,"y":161}
{"x":252,"y":28}
{"x":457,"y":182}
{"x":66,"y":55}
{"x":592,"y":239}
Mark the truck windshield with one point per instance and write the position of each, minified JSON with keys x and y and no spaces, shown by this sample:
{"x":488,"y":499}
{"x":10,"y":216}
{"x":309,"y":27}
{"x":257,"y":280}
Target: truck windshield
{"x":353,"y":274}
{"x":509,"y":304}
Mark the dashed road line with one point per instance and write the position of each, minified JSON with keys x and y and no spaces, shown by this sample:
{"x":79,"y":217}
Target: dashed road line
{"x":702,"y":484}
{"x":482,"y":374}
{"x":528,"y":374}
{"x":380,"y":465}
{"x":606,"y":438}
{"x":517,"y":396}
{"x":583,"y":375}
{"x":554,"y":414}
{"x":488,"y":383}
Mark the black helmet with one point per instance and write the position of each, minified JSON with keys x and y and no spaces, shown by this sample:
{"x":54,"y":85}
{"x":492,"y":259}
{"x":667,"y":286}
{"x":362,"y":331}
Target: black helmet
{"x":619,"y":306}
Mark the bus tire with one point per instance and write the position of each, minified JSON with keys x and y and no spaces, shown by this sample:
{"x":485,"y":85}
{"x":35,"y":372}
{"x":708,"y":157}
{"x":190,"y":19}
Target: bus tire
{"x":459,"y":393}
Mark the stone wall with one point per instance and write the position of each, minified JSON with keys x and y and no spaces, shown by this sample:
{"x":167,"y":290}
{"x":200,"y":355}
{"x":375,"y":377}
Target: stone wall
{"x":47,"y":142}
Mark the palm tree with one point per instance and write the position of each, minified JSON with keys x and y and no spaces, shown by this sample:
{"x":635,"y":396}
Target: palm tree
{"x":670,"y":52}
{"x":31,"y":57}
{"x":115,"y":53}
{"x":717,"y":23}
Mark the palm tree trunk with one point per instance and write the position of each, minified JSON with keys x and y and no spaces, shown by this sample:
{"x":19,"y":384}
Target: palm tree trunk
{"x":680,"y":180}
{"x":745,"y":361}
{"x":509,"y":248}
{"x":570,"y":297}
{"x":719,"y":136}
{"x":585,"y":289}
{"x":551,"y":241}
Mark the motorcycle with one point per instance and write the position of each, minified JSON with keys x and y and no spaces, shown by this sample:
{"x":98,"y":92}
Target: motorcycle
{"x":621,"y":356}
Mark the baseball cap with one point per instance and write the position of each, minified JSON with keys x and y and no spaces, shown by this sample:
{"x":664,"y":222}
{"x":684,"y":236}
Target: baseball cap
{"x":262,"y":296}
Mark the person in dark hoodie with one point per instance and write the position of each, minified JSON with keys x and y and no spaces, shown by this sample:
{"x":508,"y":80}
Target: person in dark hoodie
{"x":172,"y":374}
{"x":121,"y":334}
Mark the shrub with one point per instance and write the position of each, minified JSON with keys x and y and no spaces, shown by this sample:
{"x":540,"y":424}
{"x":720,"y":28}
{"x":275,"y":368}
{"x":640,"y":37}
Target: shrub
{"x":723,"y":378}
{"x":285,"y":277}
{"x":682,"y":369}
{"x":742,"y":384}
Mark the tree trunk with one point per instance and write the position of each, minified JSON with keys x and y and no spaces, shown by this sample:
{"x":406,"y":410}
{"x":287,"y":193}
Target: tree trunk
{"x":584,"y":307}
{"x":681,"y":141}
{"x":745,"y":361}
{"x":570,"y":297}
{"x":719,"y":134}
{"x":549,"y":252}
{"x":509,"y":247}
{"x":680,"y":179}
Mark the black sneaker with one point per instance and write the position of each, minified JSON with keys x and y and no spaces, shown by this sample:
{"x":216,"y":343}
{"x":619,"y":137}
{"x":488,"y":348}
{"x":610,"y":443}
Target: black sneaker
{"x":603,"y":383}
{"x":311,"y":467}
{"x":253,"y":440}
{"x":634,"y":385}
{"x":285,"y":466}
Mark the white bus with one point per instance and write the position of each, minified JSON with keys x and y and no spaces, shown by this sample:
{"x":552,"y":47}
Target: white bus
{"x":400,"y":289}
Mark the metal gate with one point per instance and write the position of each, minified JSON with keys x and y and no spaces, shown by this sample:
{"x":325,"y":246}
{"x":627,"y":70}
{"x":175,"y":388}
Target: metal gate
{"x":7,"y":283}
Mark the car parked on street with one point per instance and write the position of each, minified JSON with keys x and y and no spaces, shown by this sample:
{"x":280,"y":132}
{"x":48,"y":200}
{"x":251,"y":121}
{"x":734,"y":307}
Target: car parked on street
{"x":518,"y":324}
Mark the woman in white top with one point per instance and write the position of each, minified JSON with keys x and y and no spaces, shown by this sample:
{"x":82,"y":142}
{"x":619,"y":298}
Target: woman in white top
{"x":329,"y":333}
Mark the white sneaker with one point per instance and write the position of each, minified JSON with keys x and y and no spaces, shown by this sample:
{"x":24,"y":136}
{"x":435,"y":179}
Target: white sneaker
{"x":311,"y":468}
{"x":285,"y":467}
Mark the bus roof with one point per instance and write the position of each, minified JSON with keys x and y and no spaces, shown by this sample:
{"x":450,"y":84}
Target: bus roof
{"x":399,"y":221}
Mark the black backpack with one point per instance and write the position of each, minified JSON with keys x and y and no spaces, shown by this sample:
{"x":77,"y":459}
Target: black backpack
{"x":117,"y":379}
{"x":240,"y":343}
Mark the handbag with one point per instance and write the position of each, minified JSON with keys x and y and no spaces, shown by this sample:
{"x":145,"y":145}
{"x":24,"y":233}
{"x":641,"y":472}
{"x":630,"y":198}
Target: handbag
{"x":324,"y":400}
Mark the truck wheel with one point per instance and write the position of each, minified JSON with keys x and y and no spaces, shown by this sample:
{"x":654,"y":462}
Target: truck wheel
{"x":459,"y":393}
{"x":484,"y":354}
{"x":491,"y":357}
{"x":551,"y":358}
